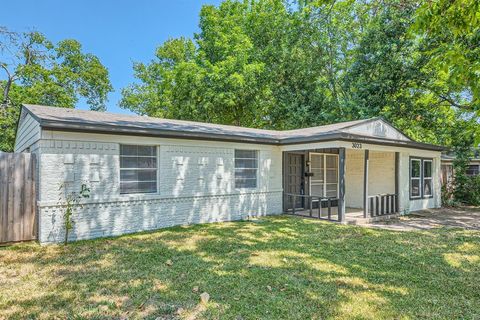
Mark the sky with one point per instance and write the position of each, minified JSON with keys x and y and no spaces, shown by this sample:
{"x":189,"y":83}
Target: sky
{"x":118,"y":32}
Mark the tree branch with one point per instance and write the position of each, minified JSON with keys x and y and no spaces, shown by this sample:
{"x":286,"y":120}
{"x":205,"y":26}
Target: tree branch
{"x":467,"y":107}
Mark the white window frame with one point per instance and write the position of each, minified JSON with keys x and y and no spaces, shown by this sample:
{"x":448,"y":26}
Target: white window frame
{"x":324,"y":155}
{"x":235,"y":168}
{"x":157,"y":157}
{"x":427,"y":178}
{"x":421,"y":179}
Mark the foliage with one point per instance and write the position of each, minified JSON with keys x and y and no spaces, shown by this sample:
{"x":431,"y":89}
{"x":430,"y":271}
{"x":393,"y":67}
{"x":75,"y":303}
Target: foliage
{"x":38,"y":71}
{"x":448,"y":197}
{"x":450,"y":31}
{"x":72,"y":200}
{"x":273,"y":268}
{"x":466,"y":190}
{"x":273,"y":64}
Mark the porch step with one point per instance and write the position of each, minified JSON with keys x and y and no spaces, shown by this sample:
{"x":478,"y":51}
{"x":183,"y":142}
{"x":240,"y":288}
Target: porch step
{"x":363,"y":221}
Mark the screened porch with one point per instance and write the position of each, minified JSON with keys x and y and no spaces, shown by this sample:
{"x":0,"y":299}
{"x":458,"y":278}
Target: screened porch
{"x":340,"y":184}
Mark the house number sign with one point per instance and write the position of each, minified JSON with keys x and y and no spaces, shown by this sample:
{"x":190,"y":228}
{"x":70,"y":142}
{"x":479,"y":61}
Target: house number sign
{"x":356,"y":145}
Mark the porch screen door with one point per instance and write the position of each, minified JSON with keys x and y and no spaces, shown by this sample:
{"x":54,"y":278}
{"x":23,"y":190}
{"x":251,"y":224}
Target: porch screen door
{"x":324,"y":182}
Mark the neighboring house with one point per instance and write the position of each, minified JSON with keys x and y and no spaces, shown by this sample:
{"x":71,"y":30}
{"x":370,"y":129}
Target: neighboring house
{"x":473,"y":168}
{"x":148,"y":173}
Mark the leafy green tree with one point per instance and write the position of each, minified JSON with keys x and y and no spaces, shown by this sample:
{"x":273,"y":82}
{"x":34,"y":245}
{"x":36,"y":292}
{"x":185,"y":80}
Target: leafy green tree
{"x":40,"y":72}
{"x":273,"y":64}
{"x":450,"y":31}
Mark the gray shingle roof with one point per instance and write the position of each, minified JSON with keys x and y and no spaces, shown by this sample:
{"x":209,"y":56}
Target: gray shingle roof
{"x":83,"y":120}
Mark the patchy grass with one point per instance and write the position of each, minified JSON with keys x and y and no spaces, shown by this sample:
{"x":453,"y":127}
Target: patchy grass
{"x":276,"y":268}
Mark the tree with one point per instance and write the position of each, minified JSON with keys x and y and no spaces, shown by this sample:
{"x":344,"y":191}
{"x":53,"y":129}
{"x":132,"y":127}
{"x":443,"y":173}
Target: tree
{"x":450,"y":31}
{"x":272,"y":64}
{"x":40,"y":72}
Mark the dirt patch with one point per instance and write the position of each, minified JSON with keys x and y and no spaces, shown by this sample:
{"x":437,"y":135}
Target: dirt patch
{"x":465,"y":217}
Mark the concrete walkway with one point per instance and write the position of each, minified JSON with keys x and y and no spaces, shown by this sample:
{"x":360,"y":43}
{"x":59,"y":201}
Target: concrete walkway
{"x":467,"y":218}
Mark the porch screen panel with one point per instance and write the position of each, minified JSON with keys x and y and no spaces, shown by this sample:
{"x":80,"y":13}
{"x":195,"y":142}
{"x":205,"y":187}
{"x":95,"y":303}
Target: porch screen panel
{"x":324,"y":182}
{"x":317,"y":180}
{"x":138,"y":169}
{"x":331,"y":177}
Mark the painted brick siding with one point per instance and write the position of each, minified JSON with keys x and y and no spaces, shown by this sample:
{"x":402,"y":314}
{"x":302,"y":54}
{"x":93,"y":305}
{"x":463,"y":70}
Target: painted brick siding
{"x":381,"y":175}
{"x":196,"y":185}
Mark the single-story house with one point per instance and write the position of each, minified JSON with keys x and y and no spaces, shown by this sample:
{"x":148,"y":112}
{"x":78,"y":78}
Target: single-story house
{"x":147,"y":173}
{"x":447,"y":175}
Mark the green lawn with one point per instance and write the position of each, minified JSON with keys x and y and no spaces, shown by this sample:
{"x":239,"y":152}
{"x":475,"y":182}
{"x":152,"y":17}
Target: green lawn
{"x":274,"y":268}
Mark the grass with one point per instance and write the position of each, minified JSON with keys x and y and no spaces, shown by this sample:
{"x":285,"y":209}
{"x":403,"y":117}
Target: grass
{"x":275,"y":268}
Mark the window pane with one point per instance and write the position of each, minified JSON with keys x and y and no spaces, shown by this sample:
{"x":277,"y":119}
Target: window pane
{"x":332,"y":175}
{"x":415,"y":168}
{"x":317,"y":174}
{"x":245,"y":163}
{"x":248,"y":154}
{"x":138,"y":162}
{"x":316,"y":161}
{"x":128,"y":150}
{"x":138,"y":187}
{"x":331,"y":161}
{"x":317,"y":190}
{"x":147,"y":150}
{"x":415,"y":188}
{"x":245,"y":183}
{"x":138,"y":175}
{"x":427,"y":187}
{"x":427,"y":169}
{"x":331,"y":190}
{"x":246,"y":173}
{"x":132,"y":150}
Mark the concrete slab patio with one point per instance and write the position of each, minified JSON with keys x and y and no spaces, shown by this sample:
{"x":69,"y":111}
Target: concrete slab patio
{"x":465,"y":217}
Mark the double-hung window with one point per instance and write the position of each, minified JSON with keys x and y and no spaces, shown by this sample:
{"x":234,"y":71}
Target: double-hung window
{"x":421,"y":178}
{"x":246,"y":167}
{"x":138,"y":169}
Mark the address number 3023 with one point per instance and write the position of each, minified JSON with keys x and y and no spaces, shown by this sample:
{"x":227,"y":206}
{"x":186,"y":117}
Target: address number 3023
{"x":356,"y":145}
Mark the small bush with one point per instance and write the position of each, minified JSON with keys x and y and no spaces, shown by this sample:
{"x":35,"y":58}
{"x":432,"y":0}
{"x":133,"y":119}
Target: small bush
{"x":471,"y":196}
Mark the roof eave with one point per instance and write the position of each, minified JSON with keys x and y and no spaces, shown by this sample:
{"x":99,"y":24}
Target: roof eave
{"x":126,"y":130}
{"x":343,"y":136}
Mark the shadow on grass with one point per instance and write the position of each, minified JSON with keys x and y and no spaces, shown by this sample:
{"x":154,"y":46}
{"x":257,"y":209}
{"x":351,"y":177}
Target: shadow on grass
{"x":276,"y":268}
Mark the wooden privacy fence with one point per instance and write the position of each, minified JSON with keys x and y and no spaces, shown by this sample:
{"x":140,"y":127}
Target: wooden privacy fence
{"x":17,"y":197}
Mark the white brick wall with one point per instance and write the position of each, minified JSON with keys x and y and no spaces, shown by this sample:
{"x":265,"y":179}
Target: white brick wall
{"x":195,"y":185}
{"x":381,"y":175}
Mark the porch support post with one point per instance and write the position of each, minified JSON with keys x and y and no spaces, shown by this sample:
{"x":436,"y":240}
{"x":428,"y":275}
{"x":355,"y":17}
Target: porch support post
{"x":284,"y":175}
{"x":397,"y":181}
{"x":365,"y":184}
{"x":341,"y":185}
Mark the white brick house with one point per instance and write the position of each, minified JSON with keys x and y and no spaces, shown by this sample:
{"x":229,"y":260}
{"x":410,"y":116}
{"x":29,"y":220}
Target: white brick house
{"x":148,"y":173}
